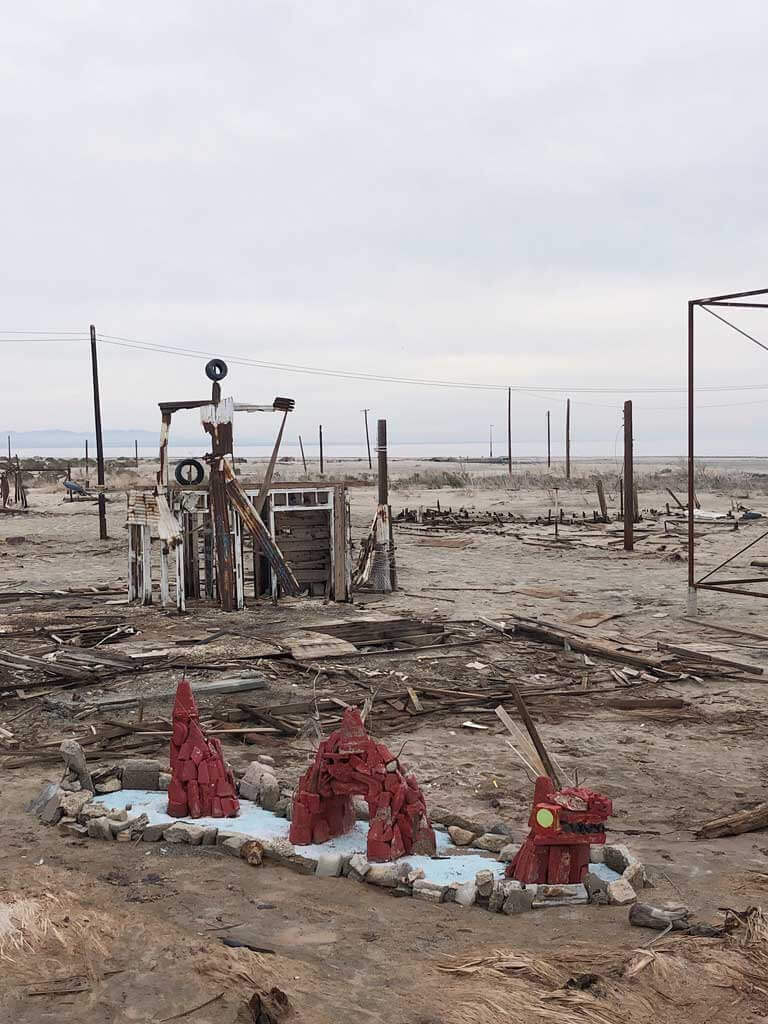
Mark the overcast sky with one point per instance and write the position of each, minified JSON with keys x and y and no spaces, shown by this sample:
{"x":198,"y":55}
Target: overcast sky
{"x":514,"y":193}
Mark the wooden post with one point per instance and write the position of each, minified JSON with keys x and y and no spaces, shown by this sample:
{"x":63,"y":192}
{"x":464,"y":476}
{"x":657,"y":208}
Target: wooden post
{"x":549,"y":443}
{"x":381,"y":452}
{"x":69,"y":477}
{"x":136,"y":449}
{"x":602,"y":501}
{"x":303,"y":457}
{"x":509,"y":430}
{"x":219,"y":426}
{"x":568,"y":439}
{"x":86,"y":464}
{"x":164,"y":592}
{"x":99,"y":438}
{"x":367,"y":438}
{"x":629,"y":498}
{"x":321,"y":450}
{"x":10,"y":464}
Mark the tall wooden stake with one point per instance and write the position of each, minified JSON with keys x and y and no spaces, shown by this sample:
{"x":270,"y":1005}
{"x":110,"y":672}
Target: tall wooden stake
{"x":10,"y":462}
{"x":629,"y":497}
{"x":568,"y":439}
{"x":99,"y":438}
{"x":303,"y":457}
{"x":509,"y":430}
{"x":322,"y":464}
{"x":86,"y":464}
{"x":381,"y":451}
{"x":367,"y":438}
{"x":136,"y":450}
{"x":549,"y":443}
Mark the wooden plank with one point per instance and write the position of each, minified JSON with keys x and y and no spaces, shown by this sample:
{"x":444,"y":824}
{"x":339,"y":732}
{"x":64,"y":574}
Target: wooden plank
{"x":311,"y":575}
{"x":339,"y":546}
{"x":414,"y":699}
{"x":714,"y":659}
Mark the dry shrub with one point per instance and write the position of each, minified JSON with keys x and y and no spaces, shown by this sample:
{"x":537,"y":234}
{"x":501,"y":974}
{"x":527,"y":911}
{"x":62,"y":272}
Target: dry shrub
{"x":682,"y":979}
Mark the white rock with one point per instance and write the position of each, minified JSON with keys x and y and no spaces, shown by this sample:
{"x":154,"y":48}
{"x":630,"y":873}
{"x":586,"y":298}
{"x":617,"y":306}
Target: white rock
{"x":460,"y":836}
{"x":508,"y":852}
{"x":359,"y":863}
{"x":109,"y":786}
{"x":329,"y":865}
{"x":620,"y":893}
{"x":99,"y":828}
{"x":429,"y":891}
{"x":387,"y":875}
{"x":465,"y":893}
{"x":490,"y":841}
{"x":484,"y":880}
{"x":183,"y":832}
{"x":502,"y":890}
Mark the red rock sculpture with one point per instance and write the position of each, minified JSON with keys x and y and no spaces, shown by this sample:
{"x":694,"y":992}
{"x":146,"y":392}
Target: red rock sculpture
{"x":564,"y":824}
{"x":349,"y":763}
{"x":201,"y":783}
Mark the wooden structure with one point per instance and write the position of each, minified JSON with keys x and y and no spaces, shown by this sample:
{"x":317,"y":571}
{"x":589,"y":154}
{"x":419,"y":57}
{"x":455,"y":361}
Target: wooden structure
{"x":228,"y":541}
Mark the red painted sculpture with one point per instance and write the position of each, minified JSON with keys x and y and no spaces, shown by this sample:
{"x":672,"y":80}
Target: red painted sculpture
{"x":201,"y":783}
{"x":349,"y":763}
{"x":564,"y":823}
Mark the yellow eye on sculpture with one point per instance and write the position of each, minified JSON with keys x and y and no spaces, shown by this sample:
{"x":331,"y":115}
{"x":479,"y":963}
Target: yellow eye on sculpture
{"x":545,"y":818}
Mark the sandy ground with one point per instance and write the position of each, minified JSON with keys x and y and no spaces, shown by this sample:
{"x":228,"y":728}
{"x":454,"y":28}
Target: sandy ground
{"x":345,"y":952}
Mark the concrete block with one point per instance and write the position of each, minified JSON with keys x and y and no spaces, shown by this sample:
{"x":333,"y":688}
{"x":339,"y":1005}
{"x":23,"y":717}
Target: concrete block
{"x":429,"y":891}
{"x":596,"y":854}
{"x":284,"y":852}
{"x":74,"y":759}
{"x":508,"y":852}
{"x":131,"y":826}
{"x":359,"y":863}
{"x":502,"y":890}
{"x":141,"y":773}
{"x":52,"y":812}
{"x":210,"y":832}
{"x":183,"y":832}
{"x":465,"y":893}
{"x":100,"y":828}
{"x":233,"y":845}
{"x":153,"y":833}
{"x":621,"y":893}
{"x":387,"y":875}
{"x":489,"y":841}
{"x":519,"y":901}
{"x":560,"y":895}
{"x":484,"y":881}
{"x":36,"y":804}
{"x":460,"y":836}
{"x":329,"y":865}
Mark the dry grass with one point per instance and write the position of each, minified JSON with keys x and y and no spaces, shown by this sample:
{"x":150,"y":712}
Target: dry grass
{"x":685,"y":979}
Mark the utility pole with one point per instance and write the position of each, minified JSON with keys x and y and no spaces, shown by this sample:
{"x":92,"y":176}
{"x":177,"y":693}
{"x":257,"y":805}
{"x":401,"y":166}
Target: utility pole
{"x":509,"y":430}
{"x":367,"y":438}
{"x":9,"y":453}
{"x":86,"y":463}
{"x":99,"y":438}
{"x":549,"y":443}
{"x":629,"y":497}
{"x":321,"y":450}
{"x":490,"y":441}
{"x":303,"y":457}
{"x":568,"y":439}
{"x":136,"y":450}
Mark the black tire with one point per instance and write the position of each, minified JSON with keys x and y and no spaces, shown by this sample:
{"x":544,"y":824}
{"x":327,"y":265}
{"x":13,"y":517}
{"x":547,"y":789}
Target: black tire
{"x":216,"y":369}
{"x":181,"y":478}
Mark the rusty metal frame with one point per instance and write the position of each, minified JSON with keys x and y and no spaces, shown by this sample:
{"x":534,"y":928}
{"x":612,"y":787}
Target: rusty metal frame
{"x":728,"y":586}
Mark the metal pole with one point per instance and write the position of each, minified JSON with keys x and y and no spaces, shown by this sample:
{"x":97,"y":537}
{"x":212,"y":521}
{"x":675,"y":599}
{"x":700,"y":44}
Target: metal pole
{"x":549,"y":443}
{"x":367,"y":438}
{"x":568,"y":439}
{"x":86,"y":463}
{"x":381,"y":452}
{"x":509,"y":430}
{"x":99,"y":438}
{"x":321,"y":450}
{"x":629,"y":497}
{"x":691,"y":482}
{"x":303,"y":457}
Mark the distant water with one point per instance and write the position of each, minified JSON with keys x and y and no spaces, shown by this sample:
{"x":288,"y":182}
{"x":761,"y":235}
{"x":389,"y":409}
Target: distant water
{"x":410,"y":450}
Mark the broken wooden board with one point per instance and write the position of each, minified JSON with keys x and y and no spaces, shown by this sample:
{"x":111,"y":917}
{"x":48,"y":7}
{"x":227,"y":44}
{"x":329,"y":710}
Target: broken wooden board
{"x":215,"y":688}
{"x":734,"y":824}
{"x":307,"y":646}
{"x":714,"y":659}
{"x":592,"y":619}
{"x":446,"y":542}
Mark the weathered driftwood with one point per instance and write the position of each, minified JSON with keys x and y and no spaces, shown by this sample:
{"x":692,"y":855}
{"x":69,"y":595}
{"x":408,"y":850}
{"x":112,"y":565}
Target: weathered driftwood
{"x":644,"y":915}
{"x":734,"y":824}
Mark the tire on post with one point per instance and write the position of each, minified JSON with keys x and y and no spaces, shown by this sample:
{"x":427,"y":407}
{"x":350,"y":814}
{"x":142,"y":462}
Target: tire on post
{"x":196,"y":466}
{"x":216,"y":369}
